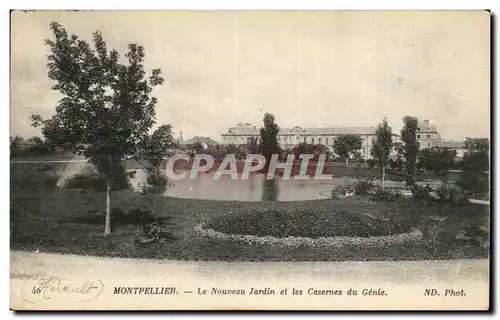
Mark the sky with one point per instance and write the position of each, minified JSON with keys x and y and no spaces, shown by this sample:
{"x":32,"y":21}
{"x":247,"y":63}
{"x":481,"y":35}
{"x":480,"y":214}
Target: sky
{"x":308,"y":68}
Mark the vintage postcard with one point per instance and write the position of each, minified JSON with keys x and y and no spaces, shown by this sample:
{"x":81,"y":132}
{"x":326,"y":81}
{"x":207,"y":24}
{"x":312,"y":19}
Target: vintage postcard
{"x":250,"y":160}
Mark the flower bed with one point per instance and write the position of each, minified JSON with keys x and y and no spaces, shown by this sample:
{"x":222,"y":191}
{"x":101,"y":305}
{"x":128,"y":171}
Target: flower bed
{"x":379,"y":241}
{"x":363,"y":219}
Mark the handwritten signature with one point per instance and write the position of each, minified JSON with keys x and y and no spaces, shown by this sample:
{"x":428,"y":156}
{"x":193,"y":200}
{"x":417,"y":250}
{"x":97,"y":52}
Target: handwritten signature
{"x":39,"y":285}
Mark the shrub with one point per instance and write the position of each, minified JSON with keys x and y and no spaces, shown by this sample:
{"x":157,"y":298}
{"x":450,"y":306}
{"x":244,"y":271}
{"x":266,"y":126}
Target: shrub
{"x":96,"y":182}
{"x":385,"y":194}
{"x":450,"y":193}
{"x":363,"y":187}
{"x":156,"y":180}
{"x":139,"y":216}
{"x":421,"y":192}
{"x":84,"y":181}
{"x":340,"y":191}
{"x":155,"y":233}
{"x":33,"y":180}
{"x":474,"y":184}
{"x":371,"y":163}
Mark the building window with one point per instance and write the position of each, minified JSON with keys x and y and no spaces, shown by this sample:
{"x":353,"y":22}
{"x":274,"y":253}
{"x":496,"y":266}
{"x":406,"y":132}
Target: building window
{"x":326,"y":141}
{"x":418,"y":136}
{"x":428,"y":136}
{"x":312,"y":140}
{"x":319,"y":140}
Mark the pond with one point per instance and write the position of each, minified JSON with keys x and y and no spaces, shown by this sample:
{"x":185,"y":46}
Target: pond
{"x":256,"y":188}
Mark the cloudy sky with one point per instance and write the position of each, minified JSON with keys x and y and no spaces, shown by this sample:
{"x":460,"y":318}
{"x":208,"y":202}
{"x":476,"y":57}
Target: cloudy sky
{"x":312,"y":69}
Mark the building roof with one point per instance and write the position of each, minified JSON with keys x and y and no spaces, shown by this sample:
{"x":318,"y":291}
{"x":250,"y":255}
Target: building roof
{"x":426,"y":126}
{"x":197,"y":139}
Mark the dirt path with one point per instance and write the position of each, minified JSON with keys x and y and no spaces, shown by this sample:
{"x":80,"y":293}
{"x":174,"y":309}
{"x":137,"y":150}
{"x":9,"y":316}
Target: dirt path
{"x":106,"y":274}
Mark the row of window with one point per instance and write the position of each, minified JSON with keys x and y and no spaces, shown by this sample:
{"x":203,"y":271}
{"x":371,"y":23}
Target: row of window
{"x":311,"y":140}
{"x":283,"y":139}
{"x":427,"y":137}
{"x":280,"y":138}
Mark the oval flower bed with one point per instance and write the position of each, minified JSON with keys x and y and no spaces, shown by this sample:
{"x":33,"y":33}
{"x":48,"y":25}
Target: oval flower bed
{"x":322,"y":228}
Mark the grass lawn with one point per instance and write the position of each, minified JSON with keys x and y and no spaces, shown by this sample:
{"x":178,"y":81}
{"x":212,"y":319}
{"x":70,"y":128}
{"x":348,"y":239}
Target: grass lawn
{"x":51,"y":220}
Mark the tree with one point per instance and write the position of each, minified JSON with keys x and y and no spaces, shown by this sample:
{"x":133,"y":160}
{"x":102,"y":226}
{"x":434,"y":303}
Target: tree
{"x":268,"y":137}
{"x":37,"y":146}
{"x":399,"y":161}
{"x":197,"y":147}
{"x":302,"y":148}
{"x":473,"y":177}
{"x":481,"y":145}
{"x":382,"y":147}
{"x":232,"y":149}
{"x":106,"y":108}
{"x":410,"y":146}
{"x":15,"y":145}
{"x":345,"y":145}
{"x":315,"y":149}
{"x":253,"y":145}
{"x":437,"y":160}
{"x":153,"y":148}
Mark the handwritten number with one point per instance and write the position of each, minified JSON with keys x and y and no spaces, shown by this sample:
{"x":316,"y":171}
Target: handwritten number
{"x":36,"y":290}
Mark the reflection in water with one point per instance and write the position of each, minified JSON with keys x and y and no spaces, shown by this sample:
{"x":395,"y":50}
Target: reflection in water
{"x":270,"y":191}
{"x":256,"y":188}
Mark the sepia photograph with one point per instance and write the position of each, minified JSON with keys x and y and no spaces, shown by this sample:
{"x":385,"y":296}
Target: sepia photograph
{"x":250,"y":160}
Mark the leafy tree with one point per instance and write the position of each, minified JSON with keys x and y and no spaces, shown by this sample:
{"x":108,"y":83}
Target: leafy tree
{"x":15,"y":145}
{"x":37,"y":146}
{"x":217,"y":151}
{"x":437,"y":160}
{"x":399,"y":161}
{"x":382,"y":147}
{"x":232,"y":149}
{"x":409,"y":148}
{"x":153,"y":148}
{"x":35,"y":140}
{"x":315,"y":149}
{"x":356,"y":156}
{"x":481,"y":145}
{"x":197,"y":147}
{"x":268,"y":137}
{"x":253,"y":145}
{"x":302,"y":148}
{"x":345,"y":145}
{"x":473,"y":177}
{"x":106,"y":108}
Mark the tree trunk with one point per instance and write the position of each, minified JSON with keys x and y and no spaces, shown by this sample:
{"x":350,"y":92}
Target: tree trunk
{"x":383,"y":176}
{"x":107,"y":224}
